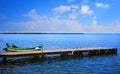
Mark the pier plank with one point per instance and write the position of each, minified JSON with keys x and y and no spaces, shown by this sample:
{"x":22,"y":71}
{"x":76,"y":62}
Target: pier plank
{"x":57,"y":51}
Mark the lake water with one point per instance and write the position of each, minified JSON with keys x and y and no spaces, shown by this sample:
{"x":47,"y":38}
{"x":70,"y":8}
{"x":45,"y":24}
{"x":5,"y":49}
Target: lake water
{"x":86,"y":65}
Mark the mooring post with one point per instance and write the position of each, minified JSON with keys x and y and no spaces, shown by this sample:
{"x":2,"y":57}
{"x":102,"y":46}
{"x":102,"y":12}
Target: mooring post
{"x":4,"y":59}
{"x":80,"y":53}
{"x":114,"y":51}
{"x":91,"y":53}
{"x":109,"y":51}
{"x":36,"y":56}
{"x":42,"y":54}
{"x":77,"y":53}
{"x":64,"y":55}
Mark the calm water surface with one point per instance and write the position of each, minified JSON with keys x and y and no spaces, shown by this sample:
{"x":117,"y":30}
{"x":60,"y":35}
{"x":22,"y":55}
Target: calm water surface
{"x":85,"y":65}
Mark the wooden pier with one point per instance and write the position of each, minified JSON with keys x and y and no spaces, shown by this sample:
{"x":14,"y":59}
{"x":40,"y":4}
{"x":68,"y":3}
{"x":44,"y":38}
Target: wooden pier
{"x":62,"y":52}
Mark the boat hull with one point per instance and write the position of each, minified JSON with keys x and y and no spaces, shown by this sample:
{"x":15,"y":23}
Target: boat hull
{"x":11,"y":50}
{"x":14,"y":48}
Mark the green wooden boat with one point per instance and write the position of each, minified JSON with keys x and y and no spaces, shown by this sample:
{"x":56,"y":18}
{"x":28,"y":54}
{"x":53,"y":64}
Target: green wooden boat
{"x":14,"y":48}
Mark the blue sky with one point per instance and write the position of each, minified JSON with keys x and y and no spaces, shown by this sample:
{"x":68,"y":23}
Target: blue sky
{"x":61,"y":16}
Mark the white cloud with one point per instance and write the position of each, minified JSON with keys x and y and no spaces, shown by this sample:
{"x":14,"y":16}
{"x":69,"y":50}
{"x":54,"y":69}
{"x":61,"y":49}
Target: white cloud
{"x":55,"y":24}
{"x":34,"y":15}
{"x":71,"y":9}
{"x":86,"y":10}
{"x":50,"y":24}
{"x":72,"y":16}
{"x":31,"y":13}
{"x":70,"y":1}
{"x":62,"y":9}
{"x":101,"y":5}
{"x":109,"y":28}
{"x":74,"y":12}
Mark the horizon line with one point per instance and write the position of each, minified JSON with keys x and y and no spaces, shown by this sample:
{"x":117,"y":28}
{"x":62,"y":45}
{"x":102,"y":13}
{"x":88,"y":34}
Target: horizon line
{"x":56,"y":33}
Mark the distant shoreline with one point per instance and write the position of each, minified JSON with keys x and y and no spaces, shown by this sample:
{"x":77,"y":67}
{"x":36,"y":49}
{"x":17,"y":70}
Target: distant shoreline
{"x":37,"y":33}
{"x":51,"y":33}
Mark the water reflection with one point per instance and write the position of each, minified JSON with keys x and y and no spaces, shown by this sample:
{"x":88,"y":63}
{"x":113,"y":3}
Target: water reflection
{"x":107,"y":64}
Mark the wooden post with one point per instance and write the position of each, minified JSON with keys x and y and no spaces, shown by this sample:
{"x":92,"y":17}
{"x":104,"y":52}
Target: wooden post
{"x":77,"y":53}
{"x":90,"y":53}
{"x":42,"y":55}
{"x":64,"y":55}
{"x":108,"y":52}
{"x":114,"y":51}
{"x":36,"y":56}
{"x":80,"y":53}
{"x":4,"y":59}
{"x":102,"y":52}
